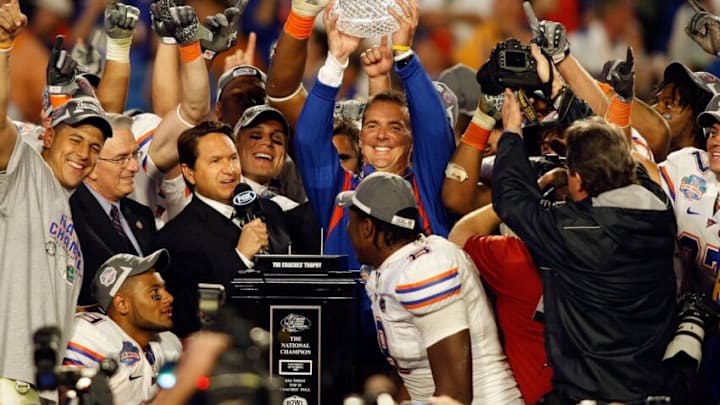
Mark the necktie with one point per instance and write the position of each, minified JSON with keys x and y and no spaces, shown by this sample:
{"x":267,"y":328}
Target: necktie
{"x":115,"y":218}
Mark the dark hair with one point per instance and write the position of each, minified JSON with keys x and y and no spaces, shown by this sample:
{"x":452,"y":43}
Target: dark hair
{"x":347,"y":128}
{"x":188,"y":140}
{"x":393,"y":234}
{"x":690,"y":95}
{"x":600,"y":153}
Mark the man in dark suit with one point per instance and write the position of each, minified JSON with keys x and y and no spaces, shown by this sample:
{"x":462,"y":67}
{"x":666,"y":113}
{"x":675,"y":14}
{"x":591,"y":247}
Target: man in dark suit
{"x":106,"y":221}
{"x":206,"y":244}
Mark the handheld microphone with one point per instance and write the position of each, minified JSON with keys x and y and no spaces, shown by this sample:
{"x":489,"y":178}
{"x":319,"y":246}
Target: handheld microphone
{"x":246,"y":204}
{"x":247,"y":207}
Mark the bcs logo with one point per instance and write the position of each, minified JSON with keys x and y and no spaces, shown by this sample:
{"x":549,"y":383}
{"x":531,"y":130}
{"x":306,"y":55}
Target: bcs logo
{"x":295,"y":323}
{"x":244,"y":198}
{"x":295,"y":400}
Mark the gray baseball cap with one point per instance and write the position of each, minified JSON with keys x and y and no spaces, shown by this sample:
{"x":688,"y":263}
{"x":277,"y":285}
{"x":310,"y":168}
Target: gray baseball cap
{"x":704,"y":80}
{"x":711,"y":114}
{"x":461,"y":80}
{"x":260,"y":113}
{"x":81,"y":110}
{"x":112,"y":274}
{"x":240,"y":71}
{"x":382,"y":195}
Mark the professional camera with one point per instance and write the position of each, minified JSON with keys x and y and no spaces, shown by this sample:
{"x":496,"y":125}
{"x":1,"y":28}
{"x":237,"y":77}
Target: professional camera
{"x":695,"y":316}
{"x":510,"y":65}
{"x":79,"y":385}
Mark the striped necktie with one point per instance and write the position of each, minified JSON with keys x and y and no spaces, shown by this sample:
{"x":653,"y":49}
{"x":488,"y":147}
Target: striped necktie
{"x":115,"y":218}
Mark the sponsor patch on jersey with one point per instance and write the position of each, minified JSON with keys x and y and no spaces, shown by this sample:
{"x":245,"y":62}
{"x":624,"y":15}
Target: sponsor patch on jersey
{"x":108,"y":276}
{"x":382,"y":304}
{"x":130,"y":354}
{"x":415,"y":255}
{"x":693,"y":187}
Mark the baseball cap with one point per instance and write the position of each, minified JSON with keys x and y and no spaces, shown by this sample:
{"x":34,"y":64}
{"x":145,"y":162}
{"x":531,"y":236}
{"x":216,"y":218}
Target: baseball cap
{"x":260,"y":113}
{"x":112,"y":274}
{"x":461,"y":80}
{"x":383,"y":195}
{"x":449,"y":100}
{"x":240,"y":71}
{"x":704,"y":80}
{"x":81,"y":110}
{"x":711,"y":114}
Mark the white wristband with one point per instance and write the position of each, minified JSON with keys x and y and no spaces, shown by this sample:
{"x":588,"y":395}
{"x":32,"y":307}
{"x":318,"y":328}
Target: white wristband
{"x":331,"y":73}
{"x":183,"y":120}
{"x":118,"y":49}
{"x":286,"y":98}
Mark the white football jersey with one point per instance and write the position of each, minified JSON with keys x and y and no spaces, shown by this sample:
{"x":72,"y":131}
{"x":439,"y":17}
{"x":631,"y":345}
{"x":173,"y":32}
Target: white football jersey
{"x":165,"y":197}
{"x":426,"y":277}
{"x":693,"y":188}
{"x":97,"y":337}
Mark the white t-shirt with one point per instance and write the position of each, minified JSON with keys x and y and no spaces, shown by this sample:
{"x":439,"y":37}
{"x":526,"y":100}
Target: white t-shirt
{"x":432,"y":279}
{"x":97,"y":337}
{"x":165,"y":197}
{"x":41,"y":264}
{"x":693,"y":189}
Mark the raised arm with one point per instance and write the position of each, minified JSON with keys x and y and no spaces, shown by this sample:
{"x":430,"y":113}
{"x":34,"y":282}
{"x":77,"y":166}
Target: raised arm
{"x":377,"y":62}
{"x":284,"y":83}
{"x":12,"y":22}
{"x":120,"y":23}
{"x":482,"y":221}
{"x":195,"y":88}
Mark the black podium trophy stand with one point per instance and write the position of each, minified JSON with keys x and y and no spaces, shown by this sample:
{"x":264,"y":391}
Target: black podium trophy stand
{"x":311,"y":306}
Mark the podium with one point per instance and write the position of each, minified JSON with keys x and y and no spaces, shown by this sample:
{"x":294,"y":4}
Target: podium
{"x":311,"y":306}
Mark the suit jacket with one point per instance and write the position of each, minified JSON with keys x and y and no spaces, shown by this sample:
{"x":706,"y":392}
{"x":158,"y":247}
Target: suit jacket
{"x":98,"y":238}
{"x":202,"y":242}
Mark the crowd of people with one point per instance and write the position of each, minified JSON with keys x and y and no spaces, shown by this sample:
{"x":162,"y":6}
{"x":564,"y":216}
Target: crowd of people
{"x":537,"y":224}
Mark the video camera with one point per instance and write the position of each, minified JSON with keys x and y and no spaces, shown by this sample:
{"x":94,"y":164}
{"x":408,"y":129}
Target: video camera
{"x":511,"y":65}
{"x":80,"y":385}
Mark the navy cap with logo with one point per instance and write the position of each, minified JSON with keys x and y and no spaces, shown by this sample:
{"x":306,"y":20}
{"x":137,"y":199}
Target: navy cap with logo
{"x":112,"y":274}
{"x":257,"y":114}
{"x":240,"y":71}
{"x":383,"y":196}
{"x":81,"y":110}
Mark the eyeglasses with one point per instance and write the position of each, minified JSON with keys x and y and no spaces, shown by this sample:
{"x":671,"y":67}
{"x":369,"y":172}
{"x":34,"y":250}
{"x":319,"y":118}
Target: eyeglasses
{"x":123,"y":161}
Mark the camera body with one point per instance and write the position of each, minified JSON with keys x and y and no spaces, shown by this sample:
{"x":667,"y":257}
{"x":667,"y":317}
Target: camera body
{"x":511,"y":65}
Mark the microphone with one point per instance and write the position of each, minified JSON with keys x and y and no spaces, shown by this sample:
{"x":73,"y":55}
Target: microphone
{"x":247,"y":207}
{"x":246,"y":204}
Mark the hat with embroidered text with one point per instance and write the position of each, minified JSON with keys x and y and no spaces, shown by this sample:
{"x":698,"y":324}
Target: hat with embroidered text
{"x":383,"y":196}
{"x":240,"y":71}
{"x":112,"y":274}
{"x":260,"y":113}
{"x":81,"y":110}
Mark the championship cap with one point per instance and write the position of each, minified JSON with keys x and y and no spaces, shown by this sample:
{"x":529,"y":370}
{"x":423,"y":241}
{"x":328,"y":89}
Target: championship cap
{"x":240,"y":71}
{"x":112,"y":274}
{"x":260,"y":113}
{"x":461,"y":80}
{"x":449,"y":100}
{"x":81,"y":110}
{"x":704,"y":80}
{"x":383,"y":196}
{"x":711,"y":114}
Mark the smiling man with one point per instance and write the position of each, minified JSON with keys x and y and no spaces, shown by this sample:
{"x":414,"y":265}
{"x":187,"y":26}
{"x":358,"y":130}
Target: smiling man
{"x":106,"y":221}
{"x":207,"y":243}
{"x":133,"y":329}
{"x":40,"y":255}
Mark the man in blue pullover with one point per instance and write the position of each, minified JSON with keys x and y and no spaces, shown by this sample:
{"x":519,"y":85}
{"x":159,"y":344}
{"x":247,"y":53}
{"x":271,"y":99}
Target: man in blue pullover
{"x":393,"y":134}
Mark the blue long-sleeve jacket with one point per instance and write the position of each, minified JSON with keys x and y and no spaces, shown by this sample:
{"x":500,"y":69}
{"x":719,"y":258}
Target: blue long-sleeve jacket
{"x":324,"y":177}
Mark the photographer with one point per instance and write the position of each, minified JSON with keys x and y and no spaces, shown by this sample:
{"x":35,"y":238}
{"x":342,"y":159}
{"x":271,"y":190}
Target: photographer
{"x":133,"y":330}
{"x":605,"y":259}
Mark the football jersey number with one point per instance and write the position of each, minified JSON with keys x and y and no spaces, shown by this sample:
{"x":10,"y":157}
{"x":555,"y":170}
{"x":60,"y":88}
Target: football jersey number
{"x":710,"y":258}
